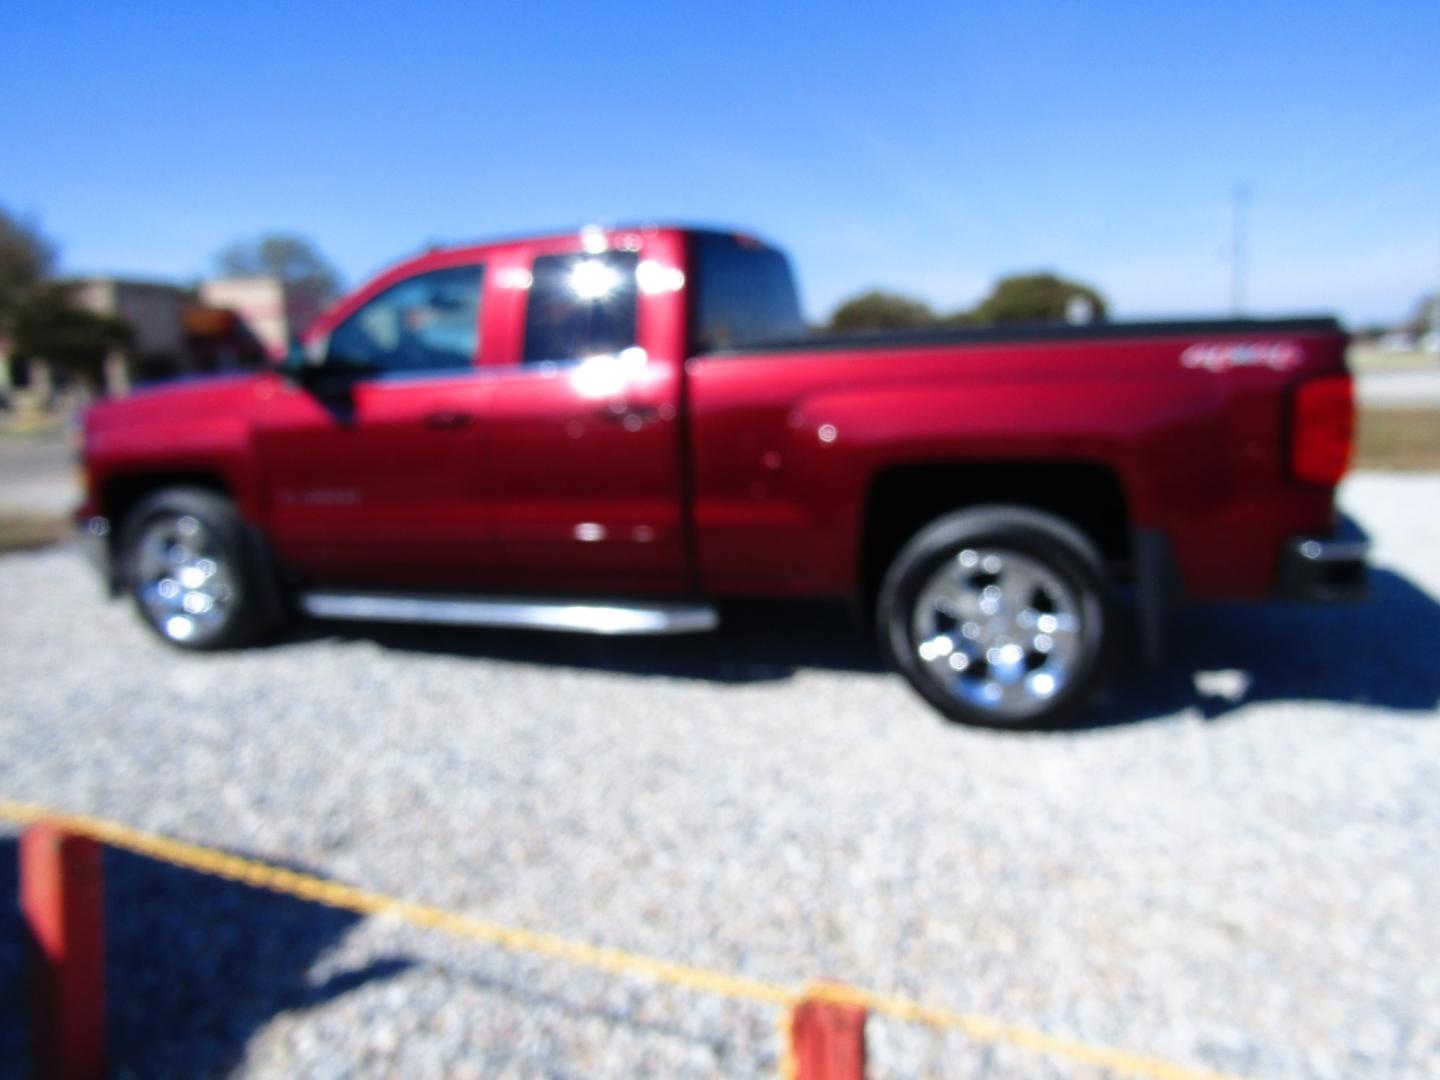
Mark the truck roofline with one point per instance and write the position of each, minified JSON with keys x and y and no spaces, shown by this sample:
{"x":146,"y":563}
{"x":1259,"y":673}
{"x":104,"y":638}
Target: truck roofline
{"x":689,"y":228}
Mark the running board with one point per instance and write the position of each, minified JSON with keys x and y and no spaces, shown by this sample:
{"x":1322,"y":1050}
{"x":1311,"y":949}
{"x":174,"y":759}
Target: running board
{"x":587,"y":617}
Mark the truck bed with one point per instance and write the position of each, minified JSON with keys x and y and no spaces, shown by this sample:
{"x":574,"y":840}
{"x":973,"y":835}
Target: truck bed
{"x":1038,"y":332}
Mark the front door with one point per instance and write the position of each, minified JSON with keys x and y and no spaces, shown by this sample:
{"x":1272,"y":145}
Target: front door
{"x":371,"y":463}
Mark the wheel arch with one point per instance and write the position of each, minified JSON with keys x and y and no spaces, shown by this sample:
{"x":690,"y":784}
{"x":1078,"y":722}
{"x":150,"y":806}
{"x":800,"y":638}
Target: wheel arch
{"x":120,"y":492}
{"x":900,"y":500}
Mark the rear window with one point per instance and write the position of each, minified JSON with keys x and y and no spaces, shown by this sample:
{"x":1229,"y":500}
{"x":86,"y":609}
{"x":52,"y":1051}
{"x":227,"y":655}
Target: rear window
{"x":745,"y":294}
{"x":580,"y":305}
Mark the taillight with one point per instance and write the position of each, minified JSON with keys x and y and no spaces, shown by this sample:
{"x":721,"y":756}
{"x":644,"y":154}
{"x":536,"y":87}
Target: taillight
{"x":1322,"y":429}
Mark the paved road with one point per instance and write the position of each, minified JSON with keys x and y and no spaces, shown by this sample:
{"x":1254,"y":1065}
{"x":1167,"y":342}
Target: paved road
{"x":1399,"y":389}
{"x":1242,"y":875}
{"x":38,"y":474}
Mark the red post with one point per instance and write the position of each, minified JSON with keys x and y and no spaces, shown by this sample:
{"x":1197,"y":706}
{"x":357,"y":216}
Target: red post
{"x":62,"y":897}
{"x":828,"y":1040}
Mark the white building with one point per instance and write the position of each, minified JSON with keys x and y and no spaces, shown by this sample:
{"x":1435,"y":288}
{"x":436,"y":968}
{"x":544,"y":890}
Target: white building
{"x":273,"y":311}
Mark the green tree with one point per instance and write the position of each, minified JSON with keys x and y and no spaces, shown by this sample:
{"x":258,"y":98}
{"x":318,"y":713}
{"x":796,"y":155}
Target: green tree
{"x":27,"y":258}
{"x":1039,"y":297}
{"x":878,"y":310}
{"x":292,"y":259}
{"x":48,"y":326}
{"x":1423,"y":320}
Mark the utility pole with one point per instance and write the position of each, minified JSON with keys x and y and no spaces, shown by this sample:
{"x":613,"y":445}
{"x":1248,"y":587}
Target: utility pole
{"x":1237,"y":250}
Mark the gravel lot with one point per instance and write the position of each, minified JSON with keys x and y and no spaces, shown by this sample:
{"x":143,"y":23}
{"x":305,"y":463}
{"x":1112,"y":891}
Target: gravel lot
{"x":1235,"y":865}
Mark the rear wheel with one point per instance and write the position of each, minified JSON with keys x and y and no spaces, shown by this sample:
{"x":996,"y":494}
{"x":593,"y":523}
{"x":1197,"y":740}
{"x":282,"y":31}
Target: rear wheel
{"x":194,"y":576}
{"x":999,"y":616}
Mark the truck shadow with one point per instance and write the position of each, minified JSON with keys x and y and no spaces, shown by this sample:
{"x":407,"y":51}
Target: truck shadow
{"x":1221,"y":657}
{"x":194,"y":966}
{"x":1379,"y":652}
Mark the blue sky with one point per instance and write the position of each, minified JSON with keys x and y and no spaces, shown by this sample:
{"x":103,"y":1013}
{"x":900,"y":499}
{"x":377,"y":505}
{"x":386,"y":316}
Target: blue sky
{"x":926,"y":148}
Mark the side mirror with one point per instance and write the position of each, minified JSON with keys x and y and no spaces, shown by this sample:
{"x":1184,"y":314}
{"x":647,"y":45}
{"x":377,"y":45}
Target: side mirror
{"x":323,"y":375}
{"x":301,"y":364}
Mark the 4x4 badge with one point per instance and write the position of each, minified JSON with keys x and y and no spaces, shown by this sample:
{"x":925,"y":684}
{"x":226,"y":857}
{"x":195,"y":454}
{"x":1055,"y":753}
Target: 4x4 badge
{"x":1224,"y":355}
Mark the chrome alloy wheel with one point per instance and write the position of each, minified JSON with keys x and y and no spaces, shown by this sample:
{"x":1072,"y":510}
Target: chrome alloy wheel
{"x":183,"y":579}
{"x":999,"y":630}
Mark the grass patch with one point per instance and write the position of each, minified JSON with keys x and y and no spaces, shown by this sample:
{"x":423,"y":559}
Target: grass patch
{"x":23,"y":532}
{"x":1398,"y":439}
{"x":28,"y":425}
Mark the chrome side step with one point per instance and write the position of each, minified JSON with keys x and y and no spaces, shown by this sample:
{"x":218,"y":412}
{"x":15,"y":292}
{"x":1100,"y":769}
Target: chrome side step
{"x":597,"y":617}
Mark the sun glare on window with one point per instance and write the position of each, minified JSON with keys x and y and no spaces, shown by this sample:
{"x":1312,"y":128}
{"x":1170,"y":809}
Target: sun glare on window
{"x":592,"y":279}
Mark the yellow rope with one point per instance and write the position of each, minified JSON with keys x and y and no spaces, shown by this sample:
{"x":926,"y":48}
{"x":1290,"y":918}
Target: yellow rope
{"x":618,"y":961}
{"x":984,"y":1029}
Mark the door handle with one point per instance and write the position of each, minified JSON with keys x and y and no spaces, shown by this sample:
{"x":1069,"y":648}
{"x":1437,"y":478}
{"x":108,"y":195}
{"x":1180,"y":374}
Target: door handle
{"x":447,"y":420}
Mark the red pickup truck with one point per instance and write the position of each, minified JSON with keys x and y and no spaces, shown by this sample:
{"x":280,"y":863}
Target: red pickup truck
{"x":611,"y":430}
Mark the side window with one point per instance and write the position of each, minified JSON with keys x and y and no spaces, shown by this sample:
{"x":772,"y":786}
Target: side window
{"x":425,"y":323}
{"x":745,"y":294}
{"x":580,"y":306}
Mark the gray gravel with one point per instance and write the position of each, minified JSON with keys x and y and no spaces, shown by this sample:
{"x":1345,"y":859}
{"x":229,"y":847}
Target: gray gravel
{"x":1242,"y":875}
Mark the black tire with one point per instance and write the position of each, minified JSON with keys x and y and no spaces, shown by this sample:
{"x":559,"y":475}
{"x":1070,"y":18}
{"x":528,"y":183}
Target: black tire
{"x":243,"y":607}
{"x":1032,"y":539}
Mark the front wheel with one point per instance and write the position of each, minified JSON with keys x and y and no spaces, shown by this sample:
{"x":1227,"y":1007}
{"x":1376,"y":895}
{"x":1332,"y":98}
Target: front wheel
{"x":194,"y":578}
{"x":999,"y":617}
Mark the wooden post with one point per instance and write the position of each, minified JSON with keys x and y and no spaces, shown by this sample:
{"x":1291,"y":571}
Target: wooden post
{"x":828,"y":1040}
{"x":62,"y":898}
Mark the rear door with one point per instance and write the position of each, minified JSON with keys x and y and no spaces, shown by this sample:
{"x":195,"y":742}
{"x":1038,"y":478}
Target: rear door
{"x":371,"y":464}
{"x":585,"y":419}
